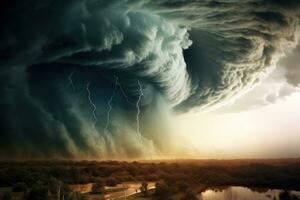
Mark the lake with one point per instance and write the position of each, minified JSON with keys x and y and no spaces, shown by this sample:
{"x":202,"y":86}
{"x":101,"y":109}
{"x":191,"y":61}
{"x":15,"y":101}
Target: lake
{"x":241,"y":193}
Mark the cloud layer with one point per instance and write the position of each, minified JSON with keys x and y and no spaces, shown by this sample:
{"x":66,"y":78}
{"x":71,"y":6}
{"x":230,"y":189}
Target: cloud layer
{"x":99,"y":79}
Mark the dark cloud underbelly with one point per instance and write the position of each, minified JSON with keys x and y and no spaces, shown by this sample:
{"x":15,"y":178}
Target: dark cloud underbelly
{"x":96,"y":79}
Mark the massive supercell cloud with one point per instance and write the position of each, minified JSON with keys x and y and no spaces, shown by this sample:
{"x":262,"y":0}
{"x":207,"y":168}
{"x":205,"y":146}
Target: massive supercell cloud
{"x":99,"y":79}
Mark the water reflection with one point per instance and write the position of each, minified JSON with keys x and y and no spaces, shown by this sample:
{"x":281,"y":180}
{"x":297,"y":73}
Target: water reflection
{"x":243,"y":193}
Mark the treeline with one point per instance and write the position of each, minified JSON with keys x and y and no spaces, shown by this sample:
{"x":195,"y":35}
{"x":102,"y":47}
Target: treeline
{"x":285,"y":175}
{"x":51,"y":189}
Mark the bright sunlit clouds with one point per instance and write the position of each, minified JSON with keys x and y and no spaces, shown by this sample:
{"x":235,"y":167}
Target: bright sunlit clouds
{"x":264,"y":132}
{"x":263,"y":123}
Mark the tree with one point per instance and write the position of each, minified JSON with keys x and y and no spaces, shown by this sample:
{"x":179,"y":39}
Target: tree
{"x":20,"y":187}
{"x":54,"y":186}
{"x":7,"y":196}
{"x":182,"y":186}
{"x":58,"y":188}
{"x":286,"y":195}
{"x":162,"y":191}
{"x":144,"y":189}
{"x":98,"y":187}
{"x":75,"y":175}
{"x":65,"y":191}
{"x":38,"y":192}
{"x":189,"y":196}
{"x":111,"y":182}
{"x":76,"y":196}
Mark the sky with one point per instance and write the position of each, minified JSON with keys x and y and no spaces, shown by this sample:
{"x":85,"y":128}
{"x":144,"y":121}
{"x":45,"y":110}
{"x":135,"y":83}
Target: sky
{"x":140,"y":79}
{"x":271,"y":131}
{"x":263,"y":123}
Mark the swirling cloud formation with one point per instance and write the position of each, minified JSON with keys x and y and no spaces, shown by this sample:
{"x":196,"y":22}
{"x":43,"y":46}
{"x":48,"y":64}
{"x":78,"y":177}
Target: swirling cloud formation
{"x":99,"y":79}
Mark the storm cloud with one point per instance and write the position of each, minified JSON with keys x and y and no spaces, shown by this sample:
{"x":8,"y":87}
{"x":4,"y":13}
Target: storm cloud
{"x":101,"y":79}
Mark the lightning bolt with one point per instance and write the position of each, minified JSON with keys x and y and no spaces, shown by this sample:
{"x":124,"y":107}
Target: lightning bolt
{"x":141,"y":94}
{"x":123,"y":92}
{"x":71,"y":80}
{"x":91,"y":102}
{"x":110,"y":105}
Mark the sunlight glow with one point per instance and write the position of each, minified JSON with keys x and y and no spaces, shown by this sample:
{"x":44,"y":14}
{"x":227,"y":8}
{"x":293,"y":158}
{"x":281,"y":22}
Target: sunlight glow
{"x":263,"y":132}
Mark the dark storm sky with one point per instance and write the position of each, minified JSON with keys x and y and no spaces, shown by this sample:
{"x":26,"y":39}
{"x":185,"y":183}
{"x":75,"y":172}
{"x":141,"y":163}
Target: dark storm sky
{"x":100,"y":79}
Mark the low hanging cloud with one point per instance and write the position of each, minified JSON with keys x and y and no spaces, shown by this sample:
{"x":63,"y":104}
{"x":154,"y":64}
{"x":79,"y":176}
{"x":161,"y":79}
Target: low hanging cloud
{"x":100,"y":79}
{"x":278,"y":85}
{"x":291,"y":65}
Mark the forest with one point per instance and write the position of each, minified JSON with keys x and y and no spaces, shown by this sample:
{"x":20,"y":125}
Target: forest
{"x":43,"y":179}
